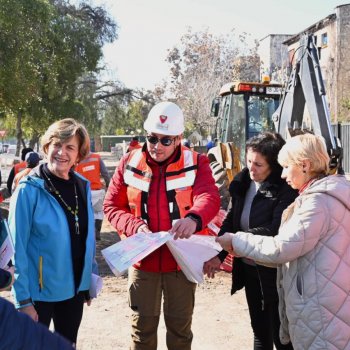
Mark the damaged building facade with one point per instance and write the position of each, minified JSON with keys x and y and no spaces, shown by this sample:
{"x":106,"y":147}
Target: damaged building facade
{"x":332,"y":38}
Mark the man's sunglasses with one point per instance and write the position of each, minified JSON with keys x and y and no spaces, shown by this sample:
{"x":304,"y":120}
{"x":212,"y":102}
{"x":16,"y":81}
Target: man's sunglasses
{"x":165,"y":141}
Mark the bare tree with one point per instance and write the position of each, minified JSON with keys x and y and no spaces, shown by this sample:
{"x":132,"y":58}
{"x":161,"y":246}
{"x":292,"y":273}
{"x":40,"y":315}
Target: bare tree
{"x":201,"y":64}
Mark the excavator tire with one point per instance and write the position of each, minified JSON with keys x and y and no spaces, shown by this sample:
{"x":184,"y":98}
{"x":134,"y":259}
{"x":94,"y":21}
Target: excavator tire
{"x":222,"y":183}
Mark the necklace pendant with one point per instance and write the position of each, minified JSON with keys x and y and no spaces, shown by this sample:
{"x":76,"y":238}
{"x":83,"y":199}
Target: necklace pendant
{"x":77,"y":231}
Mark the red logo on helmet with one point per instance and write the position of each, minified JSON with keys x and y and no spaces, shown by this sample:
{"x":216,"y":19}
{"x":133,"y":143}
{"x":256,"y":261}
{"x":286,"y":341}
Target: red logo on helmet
{"x":163,"y":118}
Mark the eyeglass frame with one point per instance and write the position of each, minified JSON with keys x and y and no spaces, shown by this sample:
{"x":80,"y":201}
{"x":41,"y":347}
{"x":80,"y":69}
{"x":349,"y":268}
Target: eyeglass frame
{"x":157,"y":139}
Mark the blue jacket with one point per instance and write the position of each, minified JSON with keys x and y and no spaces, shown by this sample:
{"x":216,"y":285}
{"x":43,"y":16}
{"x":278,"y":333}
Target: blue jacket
{"x":18,"y":331}
{"x":41,"y":237}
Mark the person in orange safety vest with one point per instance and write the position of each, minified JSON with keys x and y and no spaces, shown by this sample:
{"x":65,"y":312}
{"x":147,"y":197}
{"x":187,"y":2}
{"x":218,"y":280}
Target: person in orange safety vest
{"x":17,"y":168}
{"x":93,"y":168}
{"x":32,"y":160}
{"x":134,"y":144}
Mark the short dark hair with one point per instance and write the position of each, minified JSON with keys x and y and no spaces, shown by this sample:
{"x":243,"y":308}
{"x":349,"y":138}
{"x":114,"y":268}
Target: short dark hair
{"x":25,"y":151}
{"x":268,"y":144}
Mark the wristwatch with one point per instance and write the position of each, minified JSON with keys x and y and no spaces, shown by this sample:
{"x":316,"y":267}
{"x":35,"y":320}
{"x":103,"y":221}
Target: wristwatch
{"x":197,"y":220}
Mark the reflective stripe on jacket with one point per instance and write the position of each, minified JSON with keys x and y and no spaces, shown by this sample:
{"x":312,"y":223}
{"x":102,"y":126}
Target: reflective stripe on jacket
{"x":179,"y":177}
{"x":161,"y":180}
{"x":90,"y":169}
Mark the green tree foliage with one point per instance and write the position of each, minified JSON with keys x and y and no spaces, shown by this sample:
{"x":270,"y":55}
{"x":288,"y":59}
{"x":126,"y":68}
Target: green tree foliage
{"x":201,"y":64}
{"x":23,"y":27}
{"x":126,"y":113}
{"x":46,"y":47}
{"x":136,"y":114}
{"x":112,"y":123}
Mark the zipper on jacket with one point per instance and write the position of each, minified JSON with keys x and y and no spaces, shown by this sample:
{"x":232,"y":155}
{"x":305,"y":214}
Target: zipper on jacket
{"x":41,"y":283}
{"x":158,"y":211}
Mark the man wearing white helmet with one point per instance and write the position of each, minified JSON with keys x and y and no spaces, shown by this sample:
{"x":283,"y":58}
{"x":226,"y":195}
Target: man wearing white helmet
{"x":163,"y":186}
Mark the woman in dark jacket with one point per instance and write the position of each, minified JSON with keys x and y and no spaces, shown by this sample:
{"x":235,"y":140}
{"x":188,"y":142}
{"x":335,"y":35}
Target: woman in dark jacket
{"x":259,"y":196}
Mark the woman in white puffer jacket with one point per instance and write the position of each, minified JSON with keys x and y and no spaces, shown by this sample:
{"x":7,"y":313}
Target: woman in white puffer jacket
{"x":312,"y":250}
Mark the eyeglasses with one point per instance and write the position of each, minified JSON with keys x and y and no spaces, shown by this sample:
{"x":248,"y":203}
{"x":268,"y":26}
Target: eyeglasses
{"x":165,"y":141}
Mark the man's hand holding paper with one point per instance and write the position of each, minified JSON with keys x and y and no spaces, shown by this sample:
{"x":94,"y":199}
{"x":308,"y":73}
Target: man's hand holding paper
{"x":184,"y":228}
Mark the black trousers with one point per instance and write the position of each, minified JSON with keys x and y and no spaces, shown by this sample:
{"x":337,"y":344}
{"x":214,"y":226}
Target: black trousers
{"x":66,"y":315}
{"x":262,"y":299}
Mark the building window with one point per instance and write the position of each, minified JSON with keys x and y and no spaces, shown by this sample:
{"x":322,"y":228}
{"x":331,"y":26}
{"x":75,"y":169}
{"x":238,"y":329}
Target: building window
{"x":324,"y":40}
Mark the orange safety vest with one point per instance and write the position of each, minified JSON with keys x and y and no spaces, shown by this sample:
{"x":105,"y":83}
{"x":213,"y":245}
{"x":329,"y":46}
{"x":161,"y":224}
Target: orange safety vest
{"x":19,"y":167}
{"x":179,"y":177}
{"x":19,"y":176}
{"x":132,"y":147}
{"x":91,"y":170}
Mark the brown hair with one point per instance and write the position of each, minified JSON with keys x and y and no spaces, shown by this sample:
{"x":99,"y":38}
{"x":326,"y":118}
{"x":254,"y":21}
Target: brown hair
{"x":64,"y":130}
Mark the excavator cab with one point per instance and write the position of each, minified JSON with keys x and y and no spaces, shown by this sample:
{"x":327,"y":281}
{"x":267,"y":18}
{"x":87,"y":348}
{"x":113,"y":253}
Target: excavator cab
{"x":243,"y":110}
{"x":246,"y":109}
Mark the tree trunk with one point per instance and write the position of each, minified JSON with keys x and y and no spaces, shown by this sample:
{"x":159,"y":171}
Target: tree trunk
{"x":34,"y":140}
{"x":19,"y":132}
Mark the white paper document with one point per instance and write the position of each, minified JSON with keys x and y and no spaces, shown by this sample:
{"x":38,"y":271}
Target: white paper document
{"x":190,"y":254}
{"x":6,"y":245}
{"x":120,"y":256}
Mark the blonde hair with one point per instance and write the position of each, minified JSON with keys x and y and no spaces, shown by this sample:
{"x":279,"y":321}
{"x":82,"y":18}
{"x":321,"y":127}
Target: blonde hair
{"x":65,"y":129}
{"x":306,"y":147}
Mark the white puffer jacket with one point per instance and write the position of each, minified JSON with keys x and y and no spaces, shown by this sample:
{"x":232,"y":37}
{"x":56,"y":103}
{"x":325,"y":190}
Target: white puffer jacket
{"x":312,"y":249}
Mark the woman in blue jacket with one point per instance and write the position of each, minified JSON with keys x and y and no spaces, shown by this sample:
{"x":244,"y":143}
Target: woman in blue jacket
{"x":52,"y":223}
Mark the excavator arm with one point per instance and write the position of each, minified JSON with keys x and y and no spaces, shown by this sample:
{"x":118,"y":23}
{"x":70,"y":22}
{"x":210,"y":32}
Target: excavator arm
{"x":305,"y":87}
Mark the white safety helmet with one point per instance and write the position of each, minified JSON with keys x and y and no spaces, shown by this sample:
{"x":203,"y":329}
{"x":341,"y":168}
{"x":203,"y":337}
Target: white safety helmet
{"x":165,"y":118}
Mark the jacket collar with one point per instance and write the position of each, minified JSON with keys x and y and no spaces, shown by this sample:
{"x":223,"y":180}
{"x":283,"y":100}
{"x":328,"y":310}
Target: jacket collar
{"x":240,"y":184}
{"x":37,"y":176}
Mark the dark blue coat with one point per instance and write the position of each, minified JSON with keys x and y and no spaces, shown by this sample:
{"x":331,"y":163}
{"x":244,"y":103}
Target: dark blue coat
{"x":5,"y":278}
{"x":18,"y":331}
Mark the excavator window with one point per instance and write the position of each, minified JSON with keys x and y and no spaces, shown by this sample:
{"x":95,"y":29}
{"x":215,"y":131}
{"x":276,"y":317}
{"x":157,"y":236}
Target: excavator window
{"x":260,"y":110}
{"x":244,"y":115}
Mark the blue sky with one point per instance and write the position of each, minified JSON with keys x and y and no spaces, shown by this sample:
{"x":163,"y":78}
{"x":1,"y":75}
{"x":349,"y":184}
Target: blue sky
{"x":147,"y":28}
